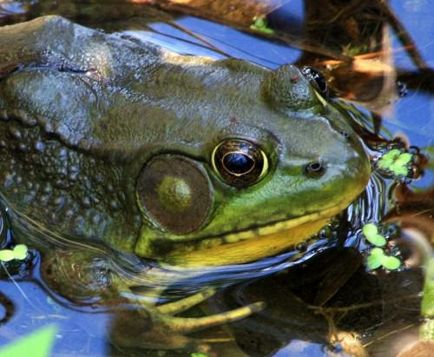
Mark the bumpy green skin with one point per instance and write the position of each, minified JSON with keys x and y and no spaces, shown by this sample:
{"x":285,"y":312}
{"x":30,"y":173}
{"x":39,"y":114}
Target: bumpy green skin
{"x":82,"y":112}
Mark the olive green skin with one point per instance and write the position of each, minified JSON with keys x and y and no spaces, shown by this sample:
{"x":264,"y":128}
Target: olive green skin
{"x":82,"y":113}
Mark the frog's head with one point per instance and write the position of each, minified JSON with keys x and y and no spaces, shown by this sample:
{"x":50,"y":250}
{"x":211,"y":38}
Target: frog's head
{"x":183,"y":159}
{"x":280,"y":165}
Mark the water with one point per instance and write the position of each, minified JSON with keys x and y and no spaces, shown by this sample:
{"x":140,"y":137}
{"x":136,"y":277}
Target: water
{"x":388,"y":312}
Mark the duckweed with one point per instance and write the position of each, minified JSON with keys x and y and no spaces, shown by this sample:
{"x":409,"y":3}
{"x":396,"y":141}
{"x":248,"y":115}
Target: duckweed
{"x":19,"y":252}
{"x":370,"y":231}
{"x":396,"y":162}
{"x":260,"y":23}
{"x":377,"y":257}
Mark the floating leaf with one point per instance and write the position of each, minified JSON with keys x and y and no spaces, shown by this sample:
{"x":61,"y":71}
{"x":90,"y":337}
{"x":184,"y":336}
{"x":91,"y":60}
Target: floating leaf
{"x":37,"y":344}
{"x":396,"y":162}
{"x":388,"y":159}
{"x":390,"y":262}
{"x":261,"y":24}
{"x":375,"y":258}
{"x":399,"y":170}
{"x":384,"y":164}
{"x":260,"y":21}
{"x":377,"y":240}
{"x":404,"y":158}
{"x":370,"y":229}
{"x":391,"y":155}
{"x":6,"y":255}
{"x":20,"y":251}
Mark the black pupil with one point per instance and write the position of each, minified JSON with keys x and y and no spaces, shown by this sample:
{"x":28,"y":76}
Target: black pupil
{"x":238,"y":163}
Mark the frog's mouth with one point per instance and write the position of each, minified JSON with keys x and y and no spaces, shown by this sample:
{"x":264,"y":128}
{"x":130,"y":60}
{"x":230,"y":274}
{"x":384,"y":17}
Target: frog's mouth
{"x":252,"y":244}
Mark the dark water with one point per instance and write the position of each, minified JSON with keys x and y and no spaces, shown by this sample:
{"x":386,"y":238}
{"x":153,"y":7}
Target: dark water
{"x":383,"y":306}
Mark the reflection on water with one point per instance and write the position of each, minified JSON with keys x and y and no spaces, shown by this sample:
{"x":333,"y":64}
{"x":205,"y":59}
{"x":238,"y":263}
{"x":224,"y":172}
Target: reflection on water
{"x":327,"y":292}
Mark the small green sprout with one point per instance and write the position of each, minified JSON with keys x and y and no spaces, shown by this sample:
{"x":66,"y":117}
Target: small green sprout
{"x":396,"y":162}
{"x":377,"y":257}
{"x":19,"y":252}
{"x":198,"y":354}
{"x":260,"y":23}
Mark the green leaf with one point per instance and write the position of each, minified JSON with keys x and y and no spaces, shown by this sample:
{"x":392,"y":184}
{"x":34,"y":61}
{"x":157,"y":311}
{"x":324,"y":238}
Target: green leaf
{"x":404,"y":158}
{"x":375,"y":258}
{"x":399,"y":170}
{"x":378,"y":240}
{"x":198,"y":354}
{"x":370,"y":230}
{"x":6,"y":255}
{"x":391,"y":155}
{"x":384,"y":164}
{"x":390,"y":263}
{"x":261,"y":24}
{"x":20,"y":251}
{"x":267,"y":30}
{"x":427,"y":305}
{"x":37,"y":344}
{"x":388,"y":159}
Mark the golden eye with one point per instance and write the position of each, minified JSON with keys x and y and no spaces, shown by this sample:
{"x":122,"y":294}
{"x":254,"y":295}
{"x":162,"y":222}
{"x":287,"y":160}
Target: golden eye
{"x":239,"y":163}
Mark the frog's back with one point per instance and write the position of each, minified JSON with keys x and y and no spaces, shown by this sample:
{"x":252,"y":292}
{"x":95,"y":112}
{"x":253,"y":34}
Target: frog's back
{"x":90,"y":89}
{"x":53,"y":167}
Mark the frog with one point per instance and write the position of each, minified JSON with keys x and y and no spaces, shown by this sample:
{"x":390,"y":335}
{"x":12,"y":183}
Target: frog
{"x":119,"y":154}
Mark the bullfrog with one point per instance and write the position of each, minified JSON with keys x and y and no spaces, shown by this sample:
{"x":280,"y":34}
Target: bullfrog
{"x":116,"y":150}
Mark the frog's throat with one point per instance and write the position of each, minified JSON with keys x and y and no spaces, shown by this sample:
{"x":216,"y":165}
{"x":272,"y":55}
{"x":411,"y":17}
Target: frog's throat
{"x":251,"y":245}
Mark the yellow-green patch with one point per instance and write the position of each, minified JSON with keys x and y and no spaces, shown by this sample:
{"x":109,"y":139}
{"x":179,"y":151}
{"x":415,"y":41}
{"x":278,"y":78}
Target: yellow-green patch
{"x":375,"y":258}
{"x":396,"y":162}
{"x":6,"y":255}
{"x":20,"y":251}
{"x":370,"y":231}
{"x":260,"y":23}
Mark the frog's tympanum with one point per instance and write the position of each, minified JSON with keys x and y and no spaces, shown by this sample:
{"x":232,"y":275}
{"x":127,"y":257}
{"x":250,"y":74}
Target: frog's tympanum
{"x":187,"y":161}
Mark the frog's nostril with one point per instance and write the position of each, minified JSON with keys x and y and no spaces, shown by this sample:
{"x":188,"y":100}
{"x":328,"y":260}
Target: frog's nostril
{"x":315,"y":169}
{"x":345,"y":134}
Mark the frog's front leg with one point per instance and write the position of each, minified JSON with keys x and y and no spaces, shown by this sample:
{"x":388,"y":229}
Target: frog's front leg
{"x":162,"y":330}
{"x":85,"y":276}
{"x":187,"y":325}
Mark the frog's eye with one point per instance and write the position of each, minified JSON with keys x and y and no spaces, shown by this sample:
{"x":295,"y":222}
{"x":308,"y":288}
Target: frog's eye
{"x":316,"y":79}
{"x":239,"y":162}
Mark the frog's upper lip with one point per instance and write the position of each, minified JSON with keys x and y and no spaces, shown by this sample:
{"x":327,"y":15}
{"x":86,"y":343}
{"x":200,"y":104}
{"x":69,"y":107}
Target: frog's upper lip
{"x":283,"y":225}
{"x":270,"y":239}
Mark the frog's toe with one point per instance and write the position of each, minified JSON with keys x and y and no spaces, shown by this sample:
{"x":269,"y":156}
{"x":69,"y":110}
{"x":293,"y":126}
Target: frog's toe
{"x":186,"y":303}
{"x":132,"y":330}
{"x":189,"y":324}
{"x":153,"y":330}
{"x":156,"y":327}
